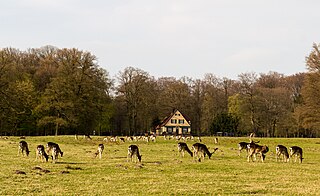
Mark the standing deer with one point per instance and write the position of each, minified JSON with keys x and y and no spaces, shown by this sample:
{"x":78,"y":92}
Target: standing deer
{"x":183,"y":147}
{"x":133,"y":150}
{"x":55,"y":150}
{"x":23,"y":148}
{"x":297,"y":152}
{"x":100,"y":150}
{"x":282,"y":150}
{"x":255,"y":149}
{"x":202,"y":149}
{"x":244,"y":146}
{"x":41,"y":153}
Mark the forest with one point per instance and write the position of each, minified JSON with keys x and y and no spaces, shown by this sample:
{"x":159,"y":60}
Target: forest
{"x":52,"y":91}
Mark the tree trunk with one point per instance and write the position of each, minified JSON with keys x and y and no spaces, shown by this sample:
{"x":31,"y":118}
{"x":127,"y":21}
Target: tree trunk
{"x":57,"y":127}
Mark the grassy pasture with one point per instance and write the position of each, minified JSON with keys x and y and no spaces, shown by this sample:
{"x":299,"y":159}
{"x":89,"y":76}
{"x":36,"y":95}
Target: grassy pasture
{"x":162,"y":172}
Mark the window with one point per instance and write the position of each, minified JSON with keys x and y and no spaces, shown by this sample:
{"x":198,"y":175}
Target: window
{"x":173,"y":121}
{"x":181,"y":121}
{"x":184,"y":130}
{"x":169,"y":129}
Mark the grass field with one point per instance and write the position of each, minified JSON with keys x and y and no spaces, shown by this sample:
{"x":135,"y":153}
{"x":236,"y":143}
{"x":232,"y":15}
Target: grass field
{"x":162,"y":171}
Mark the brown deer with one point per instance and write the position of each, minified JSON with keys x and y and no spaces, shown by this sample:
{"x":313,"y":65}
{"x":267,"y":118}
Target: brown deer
{"x":244,"y":146}
{"x":297,"y":152}
{"x":55,"y":150}
{"x":100,"y":150}
{"x":183,"y":147}
{"x":41,"y":153}
{"x":203,"y":150}
{"x":23,"y":148}
{"x":254,"y":149}
{"x":282,"y":150}
{"x":133,"y":150}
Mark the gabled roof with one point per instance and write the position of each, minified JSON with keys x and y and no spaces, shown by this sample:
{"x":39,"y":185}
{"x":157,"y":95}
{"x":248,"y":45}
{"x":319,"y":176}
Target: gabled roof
{"x":166,"y":119}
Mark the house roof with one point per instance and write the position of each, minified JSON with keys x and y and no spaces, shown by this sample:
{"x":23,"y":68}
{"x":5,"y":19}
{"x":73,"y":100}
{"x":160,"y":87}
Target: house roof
{"x":166,"y":119}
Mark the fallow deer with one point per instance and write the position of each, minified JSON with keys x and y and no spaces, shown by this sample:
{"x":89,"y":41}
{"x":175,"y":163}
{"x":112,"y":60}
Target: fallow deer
{"x":255,"y":149}
{"x":183,"y":147}
{"x":297,"y":152}
{"x":202,"y":149}
{"x":100,"y":150}
{"x":133,"y":150}
{"x":23,"y":148}
{"x":55,"y":150}
{"x":244,"y":146}
{"x":282,"y":150}
{"x":41,"y":153}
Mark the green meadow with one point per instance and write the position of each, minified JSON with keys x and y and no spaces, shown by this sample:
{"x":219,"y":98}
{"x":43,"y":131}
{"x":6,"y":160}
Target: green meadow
{"x":162,"y":171}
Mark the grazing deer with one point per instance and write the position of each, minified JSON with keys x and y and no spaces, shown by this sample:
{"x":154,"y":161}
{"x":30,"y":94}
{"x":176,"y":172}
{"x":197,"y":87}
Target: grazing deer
{"x":182,"y":147}
{"x":87,"y":136}
{"x":23,"y":147}
{"x":244,"y":146}
{"x":255,"y":149}
{"x":153,"y":138}
{"x":297,"y":151}
{"x":134,"y":150}
{"x":41,"y":153}
{"x":100,"y":150}
{"x":282,"y":150}
{"x":55,"y":150}
{"x":201,"y":148}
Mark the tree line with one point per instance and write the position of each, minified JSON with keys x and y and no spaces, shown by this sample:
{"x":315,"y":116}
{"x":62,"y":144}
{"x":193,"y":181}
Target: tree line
{"x":51,"y":91}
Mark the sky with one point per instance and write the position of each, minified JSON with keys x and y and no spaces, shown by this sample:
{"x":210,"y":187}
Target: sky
{"x":170,"y":38}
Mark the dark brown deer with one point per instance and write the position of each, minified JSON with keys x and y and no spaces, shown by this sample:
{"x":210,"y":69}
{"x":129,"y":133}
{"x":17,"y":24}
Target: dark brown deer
{"x":297,"y":152}
{"x":254,"y":149}
{"x":183,"y":147}
{"x":282,"y":150}
{"x":55,"y":150}
{"x":201,"y":150}
{"x":23,"y":148}
{"x":244,"y":146}
{"x":41,"y":153}
{"x":133,"y":150}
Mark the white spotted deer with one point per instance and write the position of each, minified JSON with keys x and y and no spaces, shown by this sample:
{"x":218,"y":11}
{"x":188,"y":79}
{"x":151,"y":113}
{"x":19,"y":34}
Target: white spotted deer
{"x":254,"y":149}
{"x":41,"y":153}
{"x":133,"y":150}
{"x":100,"y":150}
{"x":201,"y":150}
{"x":297,"y":152}
{"x":183,"y":147}
{"x":282,"y":150}
{"x":23,"y":148}
{"x":55,"y":150}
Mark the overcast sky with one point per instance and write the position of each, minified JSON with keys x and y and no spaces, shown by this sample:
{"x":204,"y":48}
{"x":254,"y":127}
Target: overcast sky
{"x":170,"y":37}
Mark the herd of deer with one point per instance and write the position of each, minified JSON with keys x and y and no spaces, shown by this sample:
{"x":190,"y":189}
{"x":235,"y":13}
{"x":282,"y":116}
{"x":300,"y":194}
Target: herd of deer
{"x":199,"y":151}
{"x":253,"y":149}
{"x":41,"y":153}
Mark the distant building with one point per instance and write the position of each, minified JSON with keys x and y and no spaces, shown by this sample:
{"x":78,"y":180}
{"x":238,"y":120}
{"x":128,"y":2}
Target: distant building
{"x":175,"y":124}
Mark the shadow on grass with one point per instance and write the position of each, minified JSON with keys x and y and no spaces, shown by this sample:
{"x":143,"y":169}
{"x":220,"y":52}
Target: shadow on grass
{"x":70,"y":163}
{"x":118,"y":157}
